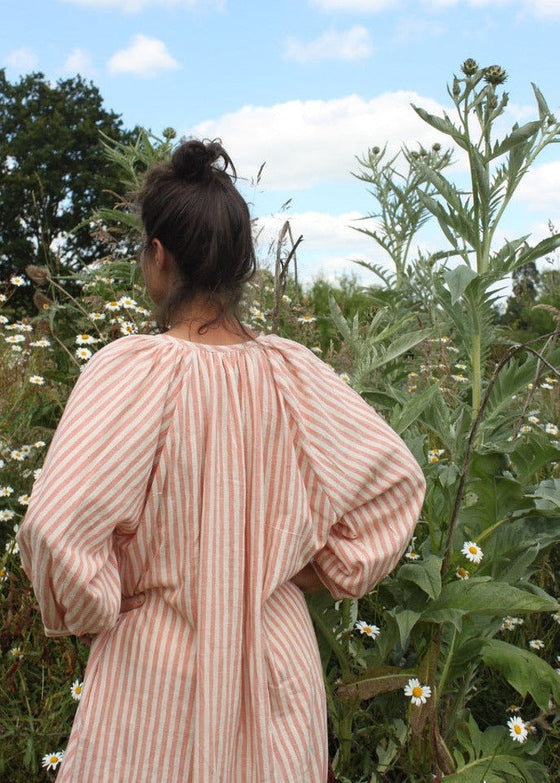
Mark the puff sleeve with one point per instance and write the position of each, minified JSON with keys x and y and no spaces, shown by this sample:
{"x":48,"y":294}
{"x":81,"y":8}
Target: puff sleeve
{"x":93,"y":484}
{"x":370,"y":487}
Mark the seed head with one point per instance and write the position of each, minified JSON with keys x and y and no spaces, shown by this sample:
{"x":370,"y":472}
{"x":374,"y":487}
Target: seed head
{"x":436,"y":147}
{"x":494,"y":75}
{"x":469,"y":67}
{"x":39,"y":274}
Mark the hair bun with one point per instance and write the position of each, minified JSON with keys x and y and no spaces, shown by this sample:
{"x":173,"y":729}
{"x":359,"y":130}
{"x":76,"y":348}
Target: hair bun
{"x":193,"y":160}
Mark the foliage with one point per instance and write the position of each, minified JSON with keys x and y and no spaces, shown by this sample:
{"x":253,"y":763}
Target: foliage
{"x":54,"y":171}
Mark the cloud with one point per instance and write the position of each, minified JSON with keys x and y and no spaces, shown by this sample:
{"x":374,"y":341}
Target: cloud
{"x":539,"y":189}
{"x":23,"y":60}
{"x":305,"y":143}
{"x":145,"y":57}
{"x":134,"y":6}
{"x":79,"y":62}
{"x":361,"y":6}
{"x":354,"y":44}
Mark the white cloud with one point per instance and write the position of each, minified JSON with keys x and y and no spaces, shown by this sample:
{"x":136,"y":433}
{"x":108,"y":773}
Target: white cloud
{"x":134,"y":6}
{"x":79,"y":62}
{"x":366,"y":6}
{"x":354,"y":44}
{"x":308,"y":142}
{"x":144,"y":57}
{"x":24,"y":59}
{"x":540,"y":190}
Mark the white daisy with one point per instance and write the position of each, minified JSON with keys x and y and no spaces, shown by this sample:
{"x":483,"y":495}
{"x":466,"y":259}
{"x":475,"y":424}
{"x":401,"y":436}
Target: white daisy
{"x":434,"y":455}
{"x":127,"y":327}
{"x":23,"y":500}
{"x":15,"y":338}
{"x":52,"y":760}
{"x":112,"y":306}
{"x":38,"y":380}
{"x":517,"y":729}
{"x":556,"y":617}
{"x":39,"y":444}
{"x":6,"y":514}
{"x":536,"y":644}
{"x":25,"y":449}
{"x":460,"y":378}
{"x":367,"y":629}
{"x":344,"y":377}
{"x":417,"y":693}
{"x":3,"y":298}
{"x":76,"y":690}
{"x":5,"y":492}
{"x":97,"y":316}
{"x":83,"y":353}
{"x":4,"y":574}
{"x":551,"y":429}
{"x":42,"y":343}
{"x":462,"y":573}
{"x":306,"y":319}
{"x":3,"y":320}
{"x":16,"y":652}
{"x":127,"y":302}
{"x":472,"y":552}
{"x":412,"y":555}
{"x":37,"y":472}
{"x":85,"y":339}
{"x":17,"y":280}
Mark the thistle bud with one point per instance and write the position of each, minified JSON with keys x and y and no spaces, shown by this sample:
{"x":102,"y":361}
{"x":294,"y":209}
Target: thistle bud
{"x":494,"y":75}
{"x":456,"y":88}
{"x":41,"y":302}
{"x":39,"y":274}
{"x":169,"y":134}
{"x":376,"y":150}
{"x":469,"y":67}
{"x":436,"y":147}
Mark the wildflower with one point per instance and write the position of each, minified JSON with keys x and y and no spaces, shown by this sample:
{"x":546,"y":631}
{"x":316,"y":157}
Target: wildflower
{"x":556,"y":617}
{"x":16,"y":652}
{"x":534,"y":419}
{"x":517,"y":729}
{"x":19,"y":456}
{"x":85,"y":339}
{"x":412,"y":555}
{"x":15,"y":338}
{"x":509,"y":623}
{"x":3,"y":320}
{"x":546,"y":386}
{"x":536,"y":644}
{"x":460,"y":378}
{"x":127,"y":327}
{"x":76,"y":690}
{"x":23,"y":500}
{"x":25,"y":449}
{"x":551,"y":379}
{"x":112,"y":306}
{"x":462,"y":573}
{"x":551,"y":429}
{"x":12,"y":547}
{"x":469,"y":67}
{"x":472,"y":552}
{"x":513,"y":708}
{"x":23,"y":327}
{"x":38,"y":380}
{"x":435,"y":454}
{"x":367,"y":630}
{"x":39,"y":444}
{"x":83,"y":353}
{"x":42,"y":343}
{"x":52,"y":760}
{"x":37,"y":472}
{"x":97,"y":316}
{"x":5,"y":492}
{"x":494,"y":75}
{"x":6,"y":514}
{"x":3,"y":574}
{"x":317,"y":349}
{"x":461,"y":366}
{"x":3,"y":298}
{"x":306,"y":319}
{"x":417,"y":693}
{"x":286,"y":298}
{"x":17,"y":280}
{"x":344,"y":377}
{"x":125,"y":301}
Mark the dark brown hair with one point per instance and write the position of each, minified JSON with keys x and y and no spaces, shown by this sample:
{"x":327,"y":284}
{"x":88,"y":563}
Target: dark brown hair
{"x":193,"y":207}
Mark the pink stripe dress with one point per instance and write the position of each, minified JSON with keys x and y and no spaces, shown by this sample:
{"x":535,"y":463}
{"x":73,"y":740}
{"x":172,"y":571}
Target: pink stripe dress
{"x":206,"y":477}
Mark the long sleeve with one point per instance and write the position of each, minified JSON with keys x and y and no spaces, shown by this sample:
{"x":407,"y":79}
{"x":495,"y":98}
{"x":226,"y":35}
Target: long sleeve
{"x":369,"y":488}
{"x":93,"y":484}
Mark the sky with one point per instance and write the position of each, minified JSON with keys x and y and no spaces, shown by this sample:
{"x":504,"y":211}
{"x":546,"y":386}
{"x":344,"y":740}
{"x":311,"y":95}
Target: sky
{"x":303,"y":87}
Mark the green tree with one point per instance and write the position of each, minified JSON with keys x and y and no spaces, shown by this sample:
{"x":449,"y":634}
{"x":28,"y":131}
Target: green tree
{"x":53,"y":171}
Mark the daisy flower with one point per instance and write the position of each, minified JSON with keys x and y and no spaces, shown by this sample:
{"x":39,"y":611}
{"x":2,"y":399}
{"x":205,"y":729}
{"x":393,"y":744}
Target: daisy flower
{"x":434,"y":455}
{"x":3,"y":574}
{"x":125,"y":301}
{"x":306,"y":319}
{"x":38,"y":380}
{"x":52,"y":760}
{"x":76,"y":690}
{"x":317,"y":349}
{"x":17,"y":652}
{"x":556,"y":617}
{"x":462,"y":573}
{"x":3,"y":320}
{"x":6,"y":514}
{"x":42,"y":343}
{"x":412,"y":555}
{"x":37,"y":472}
{"x":3,"y":298}
{"x":97,"y":316}
{"x":472,"y":552}
{"x":513,"y":708}
{"x":127,"y":327}
{"x":517,"y":729}
{"x":460,"y":378}
{"x":533,"y":419}
{"x":112,"y":306}
{"x":551,"y":429}
{"x":526,"y":428}
{"x":15,"y":338}
{"x":367,"y":630}
{"x":39,"y":444}
{"x":83,"y":353}
{"x":17,"y":280}
{"x":344,"y":377}
{"x":23,"y":500}
{"x":85,"y":339}
{"x":5,"y":492}
{"x":417,"y":693}
{"x":536,"y":644}
{"x":25,"y":449}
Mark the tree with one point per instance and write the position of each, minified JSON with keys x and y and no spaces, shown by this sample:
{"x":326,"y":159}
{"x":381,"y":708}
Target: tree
{"x":53,"y":171}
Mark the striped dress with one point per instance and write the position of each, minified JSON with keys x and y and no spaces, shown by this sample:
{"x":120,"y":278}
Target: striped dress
{"x":206,"y":477}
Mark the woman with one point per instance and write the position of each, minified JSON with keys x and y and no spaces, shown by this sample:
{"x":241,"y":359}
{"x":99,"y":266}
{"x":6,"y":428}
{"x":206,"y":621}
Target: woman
{"x":216,"y":474}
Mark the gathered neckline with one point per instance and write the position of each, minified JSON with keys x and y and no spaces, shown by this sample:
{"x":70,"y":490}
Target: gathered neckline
{"x":220,"y":347}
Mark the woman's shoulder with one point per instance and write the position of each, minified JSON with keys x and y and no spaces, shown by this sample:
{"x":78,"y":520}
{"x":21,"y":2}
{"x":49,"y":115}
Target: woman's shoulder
{"x":133,"y":349}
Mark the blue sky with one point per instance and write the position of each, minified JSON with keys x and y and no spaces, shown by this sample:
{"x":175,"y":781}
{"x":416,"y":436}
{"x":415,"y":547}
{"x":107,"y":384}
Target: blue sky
{"x":302,"y":86}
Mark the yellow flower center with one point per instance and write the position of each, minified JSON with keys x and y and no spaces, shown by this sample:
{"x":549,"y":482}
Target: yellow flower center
{"x":53,"y":759}
{"x":473,"y":550}
{"x":517,"y":728}
{"x":417,"y":691}
{"x":78,"y":689}
{"x":462,"y":571}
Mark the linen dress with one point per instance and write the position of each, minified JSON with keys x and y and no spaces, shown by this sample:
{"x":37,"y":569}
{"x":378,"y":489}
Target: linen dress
{"x":206,"y":477}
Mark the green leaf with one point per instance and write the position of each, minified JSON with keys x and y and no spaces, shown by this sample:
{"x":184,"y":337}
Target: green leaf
{"x":382,"y":679}
{"x":444,"y":125}
{"x":547,"y":495}
{"x":413,"y":408}
{"x":544,"y":111}
{"x":525,"y":671}
{"x":543,"y":248}
{"x":458,"y":279}
{"x":405,"y":619}
{"x":481,"y":596}
{"x":516,"y":137}
{"x":425,"y":574}
{"x":403,"y":344}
